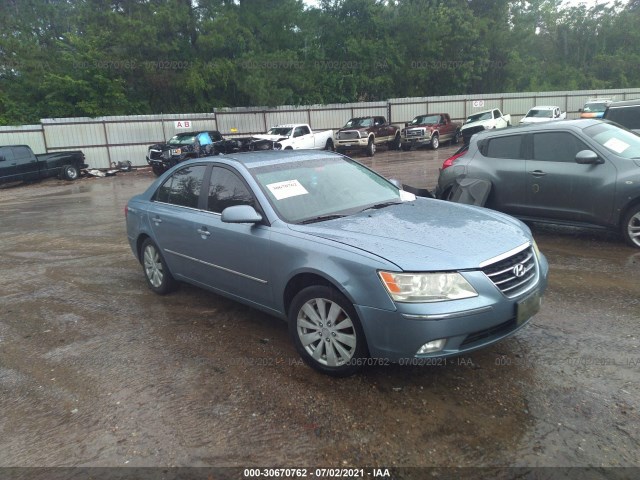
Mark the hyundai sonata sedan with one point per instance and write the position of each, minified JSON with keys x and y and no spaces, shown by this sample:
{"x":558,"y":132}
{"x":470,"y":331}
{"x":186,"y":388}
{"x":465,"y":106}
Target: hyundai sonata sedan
{"x":361,"y":270}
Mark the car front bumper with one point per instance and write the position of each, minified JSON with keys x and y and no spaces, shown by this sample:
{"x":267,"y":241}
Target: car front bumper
{"x":352,"y":144}
{"x":464,"y":325}
{"x":416,"y":141}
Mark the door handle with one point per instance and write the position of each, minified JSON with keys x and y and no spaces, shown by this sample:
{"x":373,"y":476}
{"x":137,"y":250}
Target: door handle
{"x":157,"y":220}
{"x":538,"y":173}
{"x":204,"y":232}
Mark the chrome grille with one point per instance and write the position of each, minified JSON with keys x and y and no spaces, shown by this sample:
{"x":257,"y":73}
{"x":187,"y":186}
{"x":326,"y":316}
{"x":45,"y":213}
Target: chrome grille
{"x":514,"y":275}
{"x":155,"y":154}
{"x":415,"y":133}
{"x":348,"y":135}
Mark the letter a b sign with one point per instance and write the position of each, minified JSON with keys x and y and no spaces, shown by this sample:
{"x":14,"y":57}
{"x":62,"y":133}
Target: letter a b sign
{"x":181,"y":124}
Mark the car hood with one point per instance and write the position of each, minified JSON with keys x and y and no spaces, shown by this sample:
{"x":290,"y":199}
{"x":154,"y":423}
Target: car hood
{"x":535,"y":120}
{"x":426,"y":234}
{"x":271,"y":138}
{"x":358,"y":129}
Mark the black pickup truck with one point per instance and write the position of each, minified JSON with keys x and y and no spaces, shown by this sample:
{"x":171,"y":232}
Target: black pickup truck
{"x":18,"y":163}
{"x":188,"y":145}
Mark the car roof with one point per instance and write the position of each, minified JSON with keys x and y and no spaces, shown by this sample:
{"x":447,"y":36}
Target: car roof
{"x":544,"y":107}
{"x":625,"y":103}
{"x":580,"y":124}
{"x":270,"y":157}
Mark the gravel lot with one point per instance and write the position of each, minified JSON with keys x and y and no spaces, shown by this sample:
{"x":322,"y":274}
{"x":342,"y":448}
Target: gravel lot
{"x":96,"y":370}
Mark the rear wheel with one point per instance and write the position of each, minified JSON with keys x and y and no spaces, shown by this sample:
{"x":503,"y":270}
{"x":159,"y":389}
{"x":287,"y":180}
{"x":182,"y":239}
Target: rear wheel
{"x":329,"y":145}
{"x":156,"y":272}
{"x":395,"y":144}
{"x":631,"y":227}
{"x":456,"y":138}
{"x":326,"y":331}
{"x":371,"y":148}
{"x":70,"y":172}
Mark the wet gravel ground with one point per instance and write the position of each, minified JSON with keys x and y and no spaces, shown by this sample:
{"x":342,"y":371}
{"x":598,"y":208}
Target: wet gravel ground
{"x":96,"y":370}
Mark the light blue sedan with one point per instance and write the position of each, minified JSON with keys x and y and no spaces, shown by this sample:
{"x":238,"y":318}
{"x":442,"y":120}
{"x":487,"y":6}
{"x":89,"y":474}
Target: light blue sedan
{"x":362,"y":271}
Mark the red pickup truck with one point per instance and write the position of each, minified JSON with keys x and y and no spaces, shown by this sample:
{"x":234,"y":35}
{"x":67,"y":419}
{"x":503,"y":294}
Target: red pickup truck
{"x":367,"y":133}
{"x":430,"y":129}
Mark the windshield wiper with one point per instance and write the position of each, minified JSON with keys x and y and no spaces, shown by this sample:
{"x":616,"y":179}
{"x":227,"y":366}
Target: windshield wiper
{"x":377,"y":206}
{"x":321,"y":218}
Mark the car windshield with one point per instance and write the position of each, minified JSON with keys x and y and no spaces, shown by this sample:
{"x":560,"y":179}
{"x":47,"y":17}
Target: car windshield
{"x":595,"y":107}
{"x":426,"y":120}
{"x":478,"y":117}
{"x":540,"y":113}
{"x":309,"y":189}
{"x":359,"y":122}
{"x":282,"y":131}
{"x":182,"y":139}
{"x":622,"y":142}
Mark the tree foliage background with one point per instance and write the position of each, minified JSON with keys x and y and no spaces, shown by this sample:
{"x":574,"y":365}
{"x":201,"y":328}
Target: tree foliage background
{"x":62,"y":58}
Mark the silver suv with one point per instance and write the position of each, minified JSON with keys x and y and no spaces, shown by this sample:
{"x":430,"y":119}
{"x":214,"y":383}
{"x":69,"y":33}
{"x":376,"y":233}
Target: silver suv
{"x":577,"y":172}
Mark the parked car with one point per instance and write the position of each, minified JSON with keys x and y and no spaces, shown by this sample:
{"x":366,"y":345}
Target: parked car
{"x":577,"y":172}
{"x":298,"y":136}
{"x":18,"y":163}
{"x":362,"y":271}
{"x":367,"y":133}
{"x":543,"y":113}
{"x":625,"y":113}
{"x":187,"y":145}
{"x":594,"y":108}
{"x":430,"y":129}
{"x":485,"y":120}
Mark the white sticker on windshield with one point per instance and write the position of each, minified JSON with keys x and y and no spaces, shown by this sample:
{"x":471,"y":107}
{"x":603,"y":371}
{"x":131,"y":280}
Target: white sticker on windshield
{"x":289,"y":188}
{"x":616,"y":145}
{"x":406,"y":196}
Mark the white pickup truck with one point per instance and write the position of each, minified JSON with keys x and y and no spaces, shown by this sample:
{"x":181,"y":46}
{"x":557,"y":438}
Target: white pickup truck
{"x":485,"y":120}
{"x":298,"y":136}
{"x":543,"y":113}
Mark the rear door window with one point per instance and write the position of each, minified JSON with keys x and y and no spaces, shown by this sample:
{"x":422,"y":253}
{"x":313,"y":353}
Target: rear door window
{"x":556,"y":147}
{"x":183,"y":187}
{"x":504,"y":147}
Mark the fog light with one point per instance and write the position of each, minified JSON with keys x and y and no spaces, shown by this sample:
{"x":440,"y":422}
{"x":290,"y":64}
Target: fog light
{"x":434,"y":346}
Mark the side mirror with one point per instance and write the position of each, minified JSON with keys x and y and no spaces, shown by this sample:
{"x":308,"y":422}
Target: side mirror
{"x":241,"y":214}
{"x":588,"y":157}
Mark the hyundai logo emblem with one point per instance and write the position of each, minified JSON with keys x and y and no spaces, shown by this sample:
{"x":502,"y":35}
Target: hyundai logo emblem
{"x":518,"y":270}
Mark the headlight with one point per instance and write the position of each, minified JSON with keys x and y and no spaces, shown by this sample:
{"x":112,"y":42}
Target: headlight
{"x":426,"y":287}
{"x":535,"y":248}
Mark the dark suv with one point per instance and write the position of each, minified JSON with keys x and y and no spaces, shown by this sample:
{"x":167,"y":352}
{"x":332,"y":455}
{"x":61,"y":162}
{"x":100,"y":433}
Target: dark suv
{"x":580,"y":172}
{"x":625,"y":113}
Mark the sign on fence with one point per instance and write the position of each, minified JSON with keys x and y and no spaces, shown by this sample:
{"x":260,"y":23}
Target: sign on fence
{"x":182,"y":124}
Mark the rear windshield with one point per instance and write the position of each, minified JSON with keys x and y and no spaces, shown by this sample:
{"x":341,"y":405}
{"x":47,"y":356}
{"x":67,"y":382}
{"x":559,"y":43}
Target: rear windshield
{"x":628,"y":117}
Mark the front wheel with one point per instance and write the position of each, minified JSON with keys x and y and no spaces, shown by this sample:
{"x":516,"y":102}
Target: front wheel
{"x":371,"y":148}
{"x":326,"y":331}
{"x":155,"y":269}
{"x":70,"y":172}
{"x":631,"y":227}
{"x":406,"y":147}
{"x":456,"y":138}
{"x":435,"y":142}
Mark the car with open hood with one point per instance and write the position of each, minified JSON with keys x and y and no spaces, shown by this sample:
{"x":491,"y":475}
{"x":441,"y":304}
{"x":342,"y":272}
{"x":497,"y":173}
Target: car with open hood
{"x":362,"y":271}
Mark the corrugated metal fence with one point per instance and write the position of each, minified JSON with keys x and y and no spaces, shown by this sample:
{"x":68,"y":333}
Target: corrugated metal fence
{"x":111,"y":139}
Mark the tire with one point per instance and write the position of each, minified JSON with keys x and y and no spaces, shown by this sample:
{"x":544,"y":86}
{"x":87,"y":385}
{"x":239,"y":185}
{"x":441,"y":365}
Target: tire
{"x":156,"y":272}
{"x":341,"y":151}
{"x":157,"y":171}
{"x":326,"y":331}
{"x":371,"y":148}
{"x":406,"y":147}
{"x":70,"y":172}
{"x":456,"y":138}
{"x":631,"y":227}
{"x":288,"y":148}
{"x":329,"y":145}
{"x":395,"y":143}
{"x":435,"y":142}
